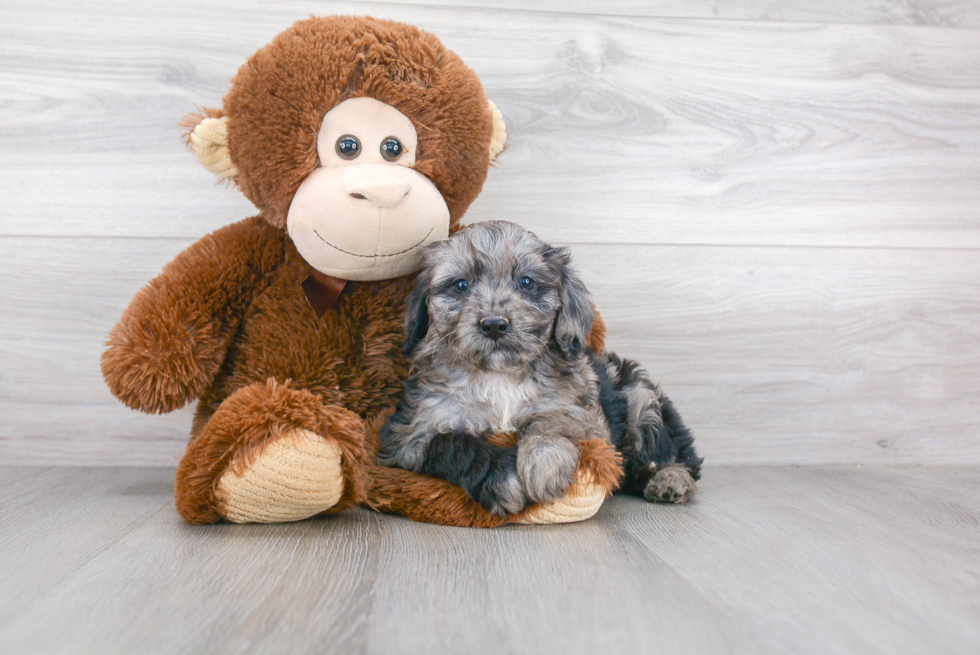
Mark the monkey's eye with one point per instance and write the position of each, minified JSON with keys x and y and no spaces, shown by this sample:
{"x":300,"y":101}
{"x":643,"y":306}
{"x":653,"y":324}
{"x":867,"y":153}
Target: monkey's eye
{"x":460,"y":286}
{"x":348,"y":147}
{"x":391,"y":148}
{"x":525,"y":283}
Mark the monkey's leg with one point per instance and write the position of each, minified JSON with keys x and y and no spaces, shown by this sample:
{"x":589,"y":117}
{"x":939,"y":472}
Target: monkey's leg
{"x":269,"y":454}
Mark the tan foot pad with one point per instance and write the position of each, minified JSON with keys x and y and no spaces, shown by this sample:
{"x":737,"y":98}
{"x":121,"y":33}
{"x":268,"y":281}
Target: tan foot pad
{"x":581,"y":502}
{"x":295,"y":477}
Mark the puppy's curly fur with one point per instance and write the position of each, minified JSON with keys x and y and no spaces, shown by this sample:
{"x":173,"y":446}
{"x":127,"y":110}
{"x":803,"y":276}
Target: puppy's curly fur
{"x":497,"y":328}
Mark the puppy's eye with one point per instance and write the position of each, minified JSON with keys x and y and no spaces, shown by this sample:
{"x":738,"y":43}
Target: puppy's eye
{"x":525,"y":283}
{"x":460,"y":286}
{"x":391,"y":148}
{"x":348,"y":147}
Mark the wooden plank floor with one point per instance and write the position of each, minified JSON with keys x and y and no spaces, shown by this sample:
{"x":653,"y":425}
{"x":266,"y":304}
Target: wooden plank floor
{"x":766,"y":560}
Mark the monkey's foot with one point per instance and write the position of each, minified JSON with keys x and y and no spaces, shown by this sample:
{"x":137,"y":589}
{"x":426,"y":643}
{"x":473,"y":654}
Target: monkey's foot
{"x":272,"y":453}
{"x":582,"y":500}
{"x":597,"y":475}
{"x":296,"y":476}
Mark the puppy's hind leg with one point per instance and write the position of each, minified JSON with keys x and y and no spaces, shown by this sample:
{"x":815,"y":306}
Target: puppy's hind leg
{"x":672,"y":483}
{"x":659,"y":460}
{"x":674,"y":466}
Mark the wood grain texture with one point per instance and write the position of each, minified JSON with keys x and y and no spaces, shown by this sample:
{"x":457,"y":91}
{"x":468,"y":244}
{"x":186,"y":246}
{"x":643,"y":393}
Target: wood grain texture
{"x":59,"y":297}
{"x":777,"y":205}
{"x":845,"y":548}
{"x":772,"y":354}
{"x":622,"y":129}
{"x":938,"y":13}
{"x":56,"y":520}
{"x":765,"y":560}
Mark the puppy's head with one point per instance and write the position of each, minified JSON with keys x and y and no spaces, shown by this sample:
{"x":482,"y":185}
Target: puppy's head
{"x":495,"y":296}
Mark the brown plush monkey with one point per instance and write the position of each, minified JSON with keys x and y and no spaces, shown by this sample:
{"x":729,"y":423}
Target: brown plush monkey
{"x":359,"y":141}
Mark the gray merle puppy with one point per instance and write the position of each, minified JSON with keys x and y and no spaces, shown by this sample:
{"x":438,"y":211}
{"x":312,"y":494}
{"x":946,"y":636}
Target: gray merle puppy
{"x":497,"y":328}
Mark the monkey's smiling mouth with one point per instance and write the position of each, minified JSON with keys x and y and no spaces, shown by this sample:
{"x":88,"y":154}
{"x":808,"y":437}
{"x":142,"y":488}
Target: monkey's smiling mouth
{"x":394,"y":254}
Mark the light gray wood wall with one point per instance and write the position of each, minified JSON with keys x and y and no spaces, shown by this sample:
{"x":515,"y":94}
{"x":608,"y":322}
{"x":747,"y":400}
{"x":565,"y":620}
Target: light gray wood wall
{"x":776,"y":204}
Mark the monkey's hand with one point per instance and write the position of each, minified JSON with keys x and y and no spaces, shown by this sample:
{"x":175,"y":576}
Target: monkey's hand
{"x":173,"y":337}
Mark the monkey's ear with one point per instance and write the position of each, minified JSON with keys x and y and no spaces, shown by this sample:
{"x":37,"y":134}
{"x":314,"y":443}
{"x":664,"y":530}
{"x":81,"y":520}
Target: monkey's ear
{"x":417,"y":315}
{"x":577,"y":313}
{"x":207,"y":137}
{"x":499,"y":139}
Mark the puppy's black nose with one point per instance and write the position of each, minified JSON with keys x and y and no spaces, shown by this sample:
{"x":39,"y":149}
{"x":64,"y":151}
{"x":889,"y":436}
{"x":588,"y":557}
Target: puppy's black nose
{"x":494,"y":327}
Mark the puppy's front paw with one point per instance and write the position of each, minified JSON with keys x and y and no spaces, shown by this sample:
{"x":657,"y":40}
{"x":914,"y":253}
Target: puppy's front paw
{"x":502,"y":494}
{"x":546,"y":466}
{"x":670,"y":484}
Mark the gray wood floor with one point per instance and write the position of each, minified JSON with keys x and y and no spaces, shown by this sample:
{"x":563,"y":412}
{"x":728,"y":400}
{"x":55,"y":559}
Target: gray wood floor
{"x":766,"y":560}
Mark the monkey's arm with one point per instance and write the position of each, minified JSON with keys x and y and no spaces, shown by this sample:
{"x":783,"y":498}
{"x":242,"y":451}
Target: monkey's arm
{"x":435,"y":500}
{"x":172,"y":339}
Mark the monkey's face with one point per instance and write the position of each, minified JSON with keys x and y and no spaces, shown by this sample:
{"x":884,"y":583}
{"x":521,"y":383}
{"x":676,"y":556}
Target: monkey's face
{"x":365,"y":213}
{"x":365,"y":139}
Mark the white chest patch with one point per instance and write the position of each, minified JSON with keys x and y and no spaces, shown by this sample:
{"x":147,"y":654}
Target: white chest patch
{"x":504,"y":399}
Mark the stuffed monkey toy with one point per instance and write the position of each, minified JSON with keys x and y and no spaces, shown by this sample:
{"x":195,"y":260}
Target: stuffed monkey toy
{"x":359,"y":141}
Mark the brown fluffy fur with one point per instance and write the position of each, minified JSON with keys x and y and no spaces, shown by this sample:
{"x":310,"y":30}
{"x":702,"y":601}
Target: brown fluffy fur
{"x":279,"y":97}
{"x":174,"y":336}
{"x":240,"y":429}
{"x":227,"y":320}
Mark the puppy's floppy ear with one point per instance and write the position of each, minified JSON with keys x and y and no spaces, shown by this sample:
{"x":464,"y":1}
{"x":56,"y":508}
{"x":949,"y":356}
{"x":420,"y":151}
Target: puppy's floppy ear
{"x":576,"y":315}
{"x":417,"y":315}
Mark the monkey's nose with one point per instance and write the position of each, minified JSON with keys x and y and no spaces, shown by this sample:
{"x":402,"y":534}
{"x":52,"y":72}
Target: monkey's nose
{"x":494,"y":327}
{"x":375,"y":184}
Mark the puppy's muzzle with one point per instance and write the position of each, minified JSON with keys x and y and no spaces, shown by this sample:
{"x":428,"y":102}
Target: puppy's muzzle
{"x":494,"y":327}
